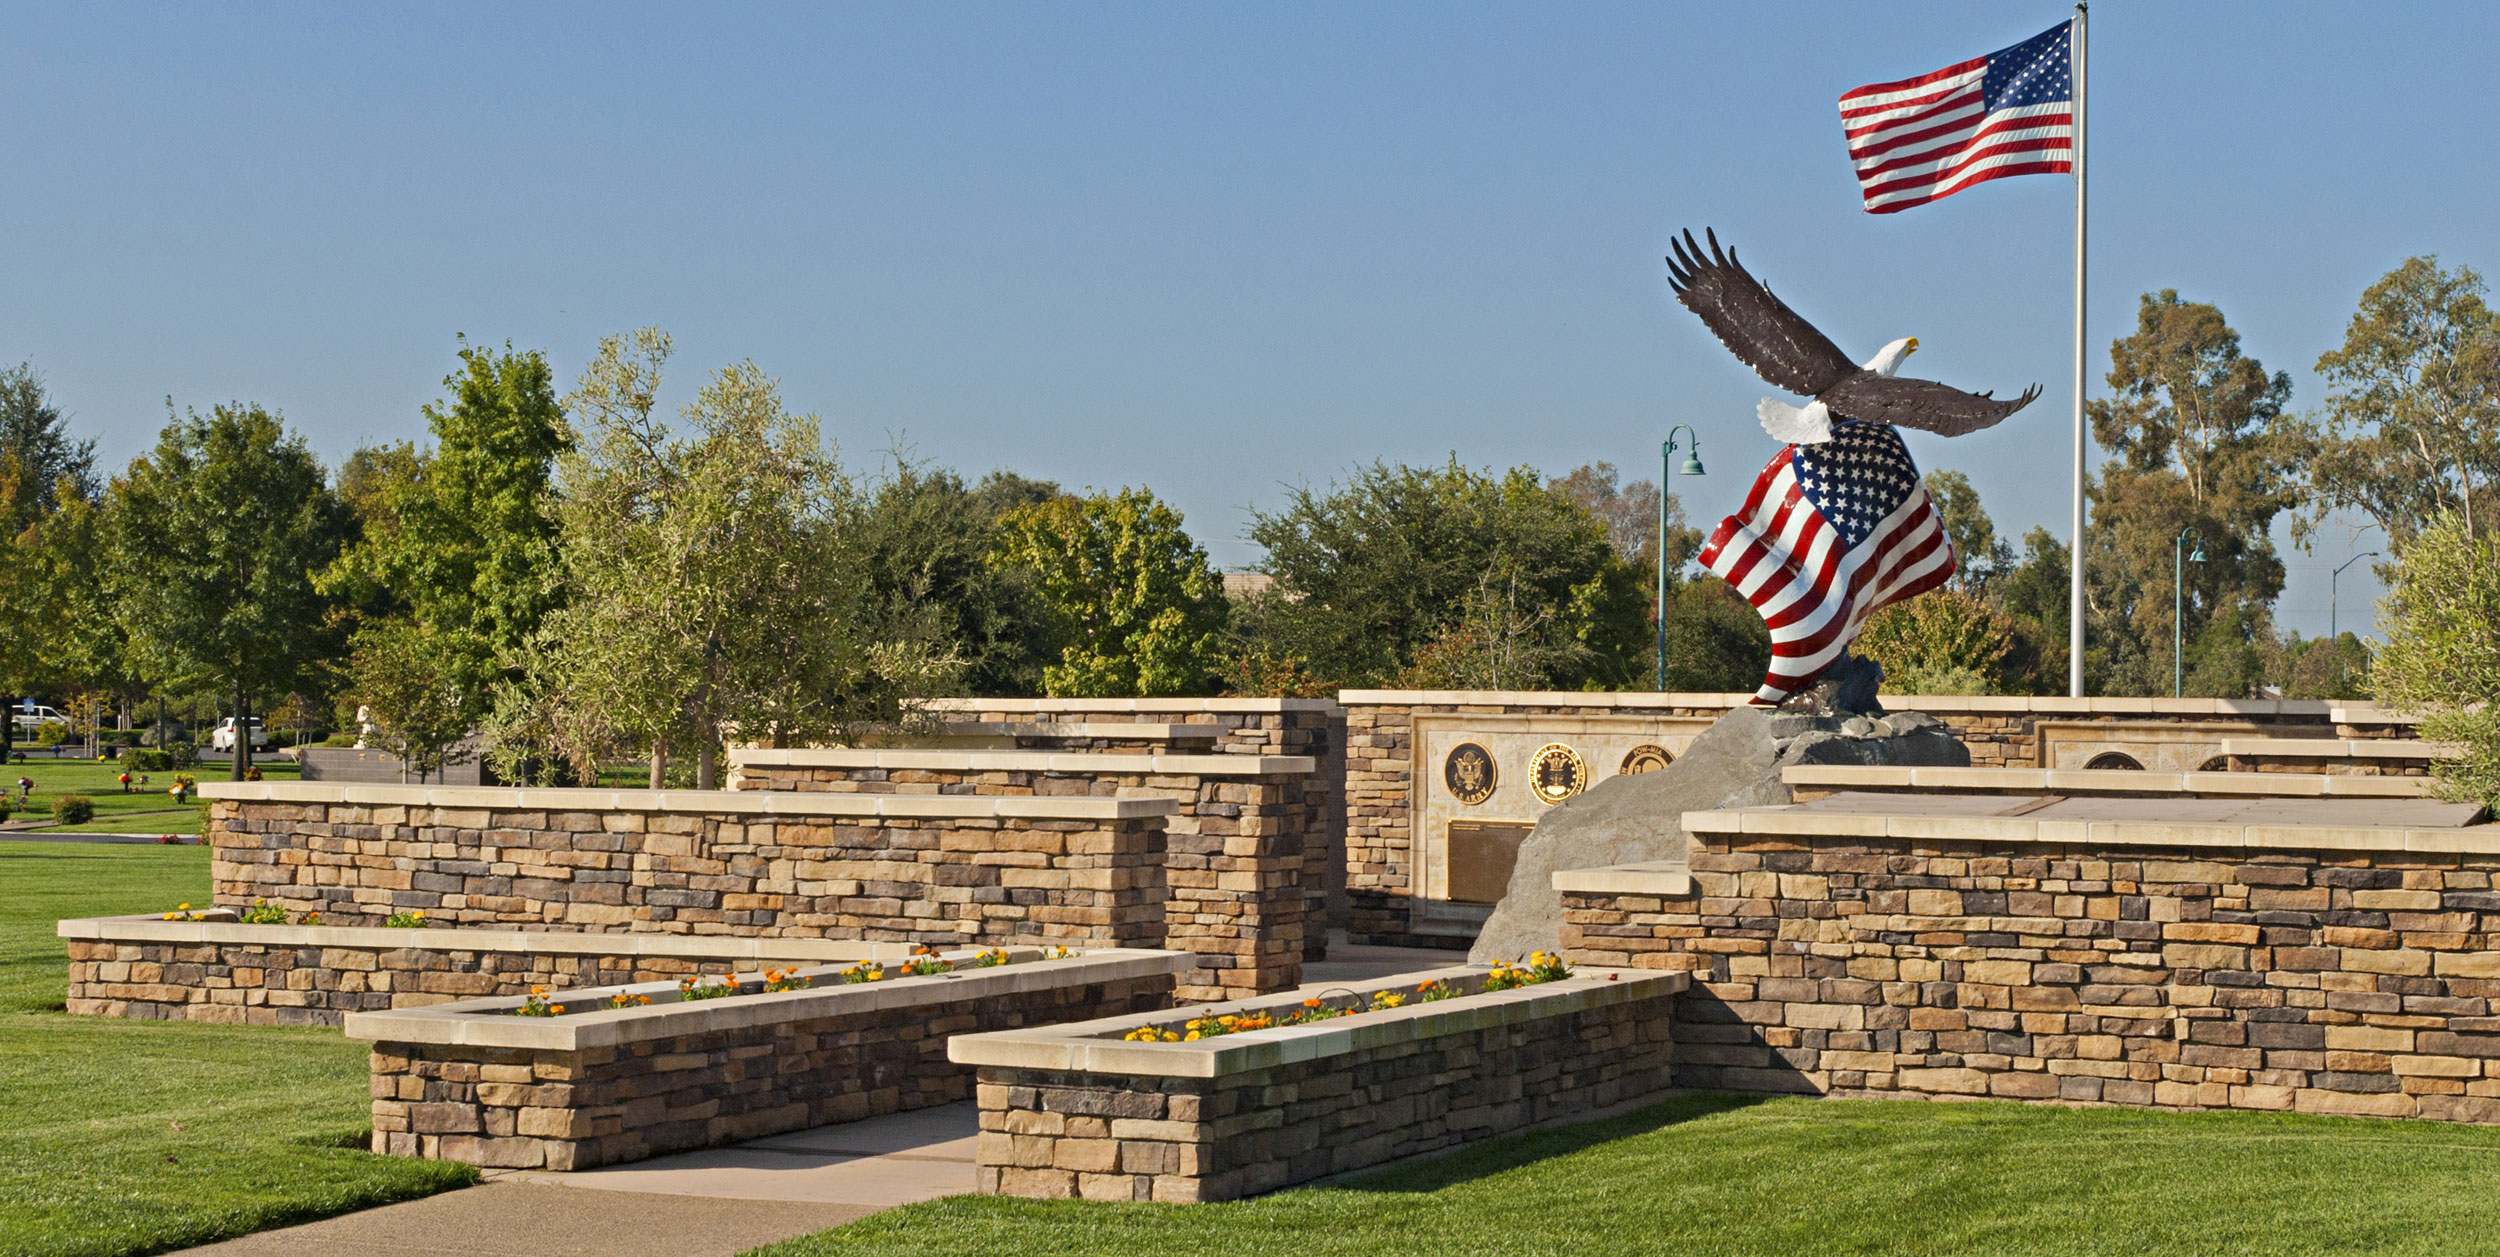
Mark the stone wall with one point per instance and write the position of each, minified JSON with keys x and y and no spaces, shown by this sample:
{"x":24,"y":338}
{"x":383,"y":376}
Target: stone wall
{"x":1313,"y":727}
{"x":2348,"y":971}
{"x":1382,"y":859}
{"x":1234,"y":853}
{"x":944,"y":872}
{"x":838,"y":1056}
{"x":1226,"y":1118}
{"x":300,"y":975}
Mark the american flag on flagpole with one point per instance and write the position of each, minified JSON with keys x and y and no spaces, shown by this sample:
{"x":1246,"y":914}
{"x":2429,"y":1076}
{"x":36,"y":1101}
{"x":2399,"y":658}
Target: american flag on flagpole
{"x":2011,"y":112}
{"x":1831,"y":534}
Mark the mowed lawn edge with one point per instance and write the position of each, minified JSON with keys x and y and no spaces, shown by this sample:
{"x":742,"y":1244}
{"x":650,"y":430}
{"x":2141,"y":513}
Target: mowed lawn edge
{"x":1717,"y":1174}
{"x":128,"y":1137}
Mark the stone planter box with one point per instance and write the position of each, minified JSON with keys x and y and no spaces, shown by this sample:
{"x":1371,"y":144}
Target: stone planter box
{"x":314,"y":975}
{"x":469,"y":1081}
{"x":1076,"y":1111}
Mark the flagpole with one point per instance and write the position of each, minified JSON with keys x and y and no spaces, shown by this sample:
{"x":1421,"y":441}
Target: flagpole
{"x":2074,"y":594}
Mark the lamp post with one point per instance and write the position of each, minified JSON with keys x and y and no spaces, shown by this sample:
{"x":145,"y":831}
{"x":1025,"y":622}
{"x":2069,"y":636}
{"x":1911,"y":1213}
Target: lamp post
{"x":1666,"y":468}
{"x":2178,"y":606}
{"x":2330,"y":590}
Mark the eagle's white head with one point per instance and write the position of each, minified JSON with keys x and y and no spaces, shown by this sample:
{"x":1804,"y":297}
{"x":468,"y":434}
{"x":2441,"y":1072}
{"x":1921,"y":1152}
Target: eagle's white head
{"x":1889,"y":361}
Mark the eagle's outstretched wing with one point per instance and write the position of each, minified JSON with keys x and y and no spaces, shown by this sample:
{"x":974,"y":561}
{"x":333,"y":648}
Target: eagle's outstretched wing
{"x":1757,"y":327}
{"x":1908,"y":403}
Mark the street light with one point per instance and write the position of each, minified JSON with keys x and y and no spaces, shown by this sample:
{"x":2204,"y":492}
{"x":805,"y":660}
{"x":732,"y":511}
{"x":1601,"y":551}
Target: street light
{"x":1666,"y":467}
{"x":2178,"y":606}
{"x":2330,"y":590}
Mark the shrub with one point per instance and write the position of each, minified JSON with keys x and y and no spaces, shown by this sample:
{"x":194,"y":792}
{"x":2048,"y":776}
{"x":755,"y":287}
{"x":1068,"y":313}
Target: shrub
{"x":73,"y":809}
{"x":51,"y":733}
{"x":183,"y":754}
{"x":148,"y":760}
{"x":339,"y":739}
{"x":2442,"y":658}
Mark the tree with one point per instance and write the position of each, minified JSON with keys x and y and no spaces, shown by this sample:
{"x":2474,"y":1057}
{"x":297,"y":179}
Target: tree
{"x":929,"y":539}
{"x":1371,"y":571}
{"x":1130,"y":605}
{"x":458,"y":541}
{"x":1716,"y":641}
{"x":2442,"y":657}
{"x":2035,"y":594}
{"x":1945,"y":641}
{"x":716,"y":579}
{"x":1979,"y":555}
{"x":1630,"y":516}
{"x":2411,"y":427}
{"x":34,"y":436}
{"x":215,"y":537}
{"x":2193,"y":423}
{"x":40,"y":469}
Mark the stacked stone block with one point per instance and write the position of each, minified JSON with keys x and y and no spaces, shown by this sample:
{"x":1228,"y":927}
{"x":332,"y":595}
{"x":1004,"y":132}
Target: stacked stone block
{"x":1232,"y":726}
{"x":1052,"y":1134}
{"x":299,"y":982}
{"x":734,"y":869}
{"x":1234,"y":854}
{"x":536,"y":1109}
{"x":2275,"y":979}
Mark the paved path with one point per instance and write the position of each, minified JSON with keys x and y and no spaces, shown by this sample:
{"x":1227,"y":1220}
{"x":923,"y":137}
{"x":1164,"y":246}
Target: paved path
{"x":707,"y":1204}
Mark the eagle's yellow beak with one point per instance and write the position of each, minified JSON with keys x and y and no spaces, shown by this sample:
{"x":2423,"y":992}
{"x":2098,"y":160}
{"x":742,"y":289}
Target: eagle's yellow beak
{"x":1913,"y":347}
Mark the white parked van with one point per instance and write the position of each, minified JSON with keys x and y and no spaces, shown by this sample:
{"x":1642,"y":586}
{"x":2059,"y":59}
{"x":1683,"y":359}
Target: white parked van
{"x":223,"y":738}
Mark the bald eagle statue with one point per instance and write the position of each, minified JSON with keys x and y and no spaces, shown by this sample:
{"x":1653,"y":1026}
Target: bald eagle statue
{"x":1787,"y":352}
{"x":1838,"y":525}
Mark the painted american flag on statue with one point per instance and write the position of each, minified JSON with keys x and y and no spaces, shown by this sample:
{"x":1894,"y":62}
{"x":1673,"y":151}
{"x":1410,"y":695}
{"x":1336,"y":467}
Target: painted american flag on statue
{"x":2011,"y":112}
{"x":1831,"y":534}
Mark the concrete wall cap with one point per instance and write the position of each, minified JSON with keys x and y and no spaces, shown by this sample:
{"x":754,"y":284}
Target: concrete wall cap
{"x":720,"y":802}
{"x":226,"y":931}
{"x":489,"y":1022}
{"x":1107,"y":762}
{"x":1668,"y":879}
{"x":1096,"y":1046}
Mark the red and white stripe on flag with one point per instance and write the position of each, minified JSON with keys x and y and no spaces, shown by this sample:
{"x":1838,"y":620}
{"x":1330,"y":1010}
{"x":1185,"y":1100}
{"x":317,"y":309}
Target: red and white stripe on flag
{"x":2011,"y":112}
{"x":1813,"y":588}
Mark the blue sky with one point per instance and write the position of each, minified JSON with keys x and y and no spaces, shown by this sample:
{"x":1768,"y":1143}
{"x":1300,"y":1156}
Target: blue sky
{"x":1214,"y":250}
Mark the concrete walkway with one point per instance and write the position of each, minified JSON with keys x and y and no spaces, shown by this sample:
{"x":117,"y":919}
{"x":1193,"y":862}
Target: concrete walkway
{"x":714,"y":1203}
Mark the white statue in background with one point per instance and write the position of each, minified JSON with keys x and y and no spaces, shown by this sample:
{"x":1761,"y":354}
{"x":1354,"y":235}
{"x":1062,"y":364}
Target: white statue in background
{"x":364,"y":726}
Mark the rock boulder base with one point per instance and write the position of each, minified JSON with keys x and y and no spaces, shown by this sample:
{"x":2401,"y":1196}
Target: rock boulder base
{"x":1635,"y":819}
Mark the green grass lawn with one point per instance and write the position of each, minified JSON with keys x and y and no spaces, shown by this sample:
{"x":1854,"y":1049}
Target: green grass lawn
{"x":143,"y":810}
{"x":127,"y":1137}
{"x":1723,"y":1175}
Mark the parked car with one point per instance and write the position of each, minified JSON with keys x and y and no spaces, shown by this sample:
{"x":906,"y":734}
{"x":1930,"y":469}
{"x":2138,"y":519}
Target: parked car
{"x":222,"y":738}
{"x":32,"y":715}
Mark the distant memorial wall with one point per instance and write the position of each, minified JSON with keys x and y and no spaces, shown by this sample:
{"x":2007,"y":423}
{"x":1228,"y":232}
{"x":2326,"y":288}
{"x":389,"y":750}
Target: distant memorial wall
{"x":1441,"y":786}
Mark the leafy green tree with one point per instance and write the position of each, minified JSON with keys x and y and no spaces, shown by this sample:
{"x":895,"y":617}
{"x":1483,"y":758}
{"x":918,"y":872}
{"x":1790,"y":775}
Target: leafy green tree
{"x":2193,"y":423}
{"x":215,"y":537}
{"x":420,"y":710}
{"x":716,"y":583}
{"x":1979,"y":554}
{"x":459,"y":540}
{"x":1370,"y":572}
{"x":1945,"y":641}
{"x":1716,"y":641}
{"x":2411,"y":426}
{"x":1128,"y":601}
{"x":41,"y":468}
{"x":929,"y":538}
{"x":2442,"y":657}
{"x":34,"y":436}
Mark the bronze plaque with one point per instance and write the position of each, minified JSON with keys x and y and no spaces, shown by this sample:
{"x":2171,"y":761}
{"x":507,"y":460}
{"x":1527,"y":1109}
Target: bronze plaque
{"x":1481,"y":856}
{"x":1556,"y":772}
{"x":1648,"y":757}
{"x":1468,"y":772}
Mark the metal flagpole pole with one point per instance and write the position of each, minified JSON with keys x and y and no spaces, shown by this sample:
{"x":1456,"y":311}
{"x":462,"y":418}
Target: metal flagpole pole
{"x":2074,"y":594}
